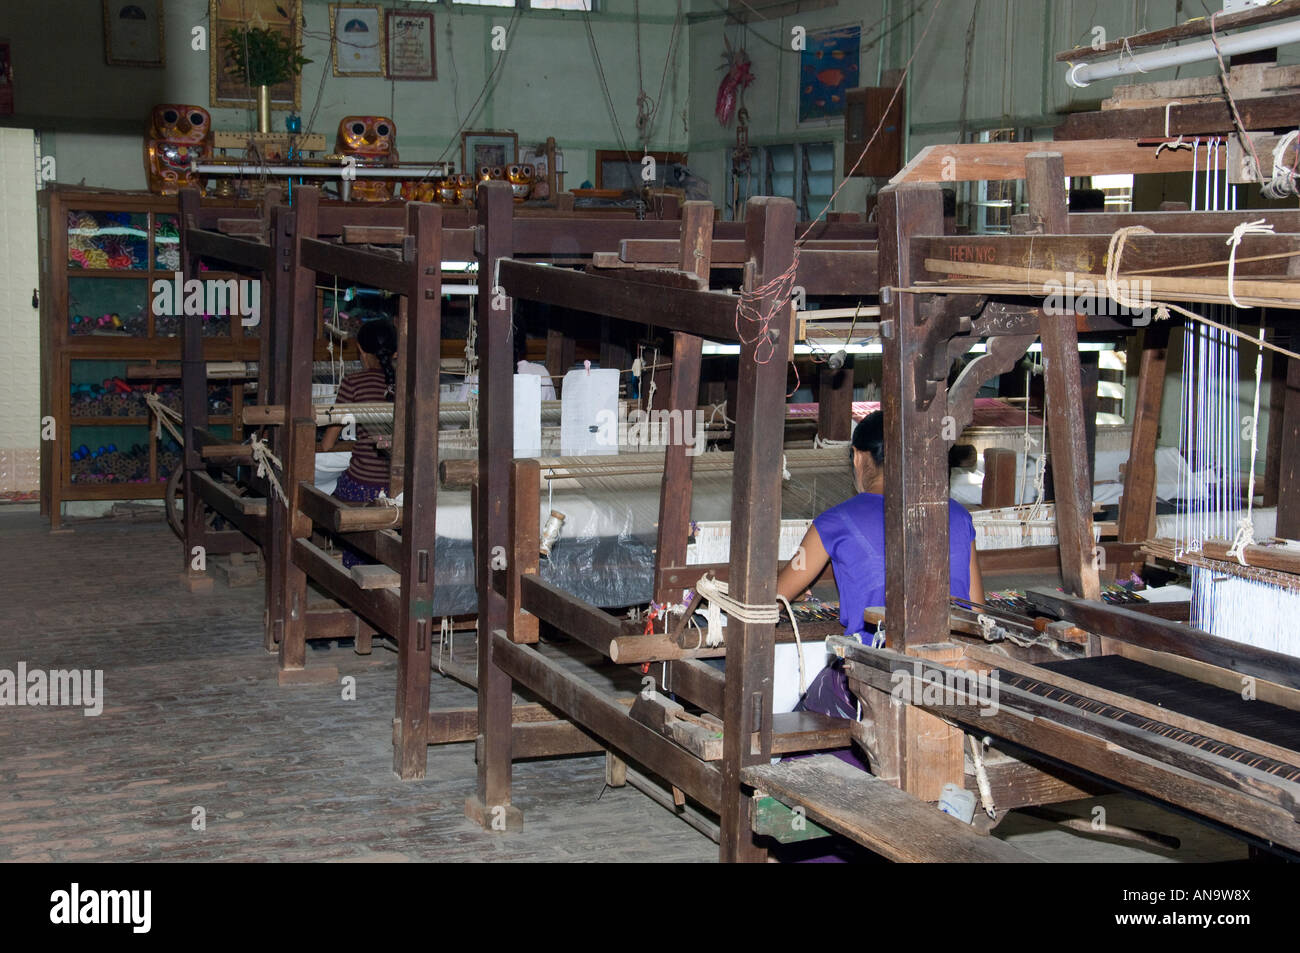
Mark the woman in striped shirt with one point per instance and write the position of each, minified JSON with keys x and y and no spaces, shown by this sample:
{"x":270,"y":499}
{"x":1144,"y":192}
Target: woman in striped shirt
{"x":368,"y":473}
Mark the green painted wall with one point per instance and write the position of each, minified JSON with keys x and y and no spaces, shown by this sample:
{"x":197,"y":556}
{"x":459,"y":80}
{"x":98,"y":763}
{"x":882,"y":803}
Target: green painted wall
{"x":92,"y":116}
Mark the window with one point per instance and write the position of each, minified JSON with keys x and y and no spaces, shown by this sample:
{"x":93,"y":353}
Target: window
{"x":614,"y":170}
{"x":991,"y":204}
{"x":1118,"y":190}
{"x":801,"y":171}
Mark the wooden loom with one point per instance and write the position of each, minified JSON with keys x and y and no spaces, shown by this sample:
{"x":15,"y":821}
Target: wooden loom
{"x":654,"y":733}
{"x":1066,"y":718}
{"x":394,"y":596}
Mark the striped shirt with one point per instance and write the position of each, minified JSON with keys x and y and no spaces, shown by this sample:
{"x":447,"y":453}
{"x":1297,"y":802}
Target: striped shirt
{"x":366,"y":387}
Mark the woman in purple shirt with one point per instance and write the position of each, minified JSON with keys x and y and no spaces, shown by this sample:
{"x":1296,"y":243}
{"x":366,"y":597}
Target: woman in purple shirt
{"x":851,"y":537}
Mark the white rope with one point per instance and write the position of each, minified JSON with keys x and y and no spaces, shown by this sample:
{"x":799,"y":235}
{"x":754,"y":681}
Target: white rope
{"x":1257,"y":227}
{"x":267,"y":464}
{"x":820,"y":444}
{"x":714,"y":592}
{"x":446,"y":635}
{"x":785,"y":470}
{"x":982,"y":777}
{"x":1282,"y":182}
{"x":1245,"y":534}
{"x":798,"y":643}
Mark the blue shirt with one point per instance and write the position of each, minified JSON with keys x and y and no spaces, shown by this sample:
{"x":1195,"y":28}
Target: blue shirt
{"x":854,"y":536}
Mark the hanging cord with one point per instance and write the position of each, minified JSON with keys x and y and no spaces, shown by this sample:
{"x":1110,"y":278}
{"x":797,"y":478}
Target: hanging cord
{"x":267,"y":463}
{"x":1245,"y":534}
{"x":982,"y":777}
{"x":1242,"y":135}
{"x":446,"y":639}
{"x":798,"y":643}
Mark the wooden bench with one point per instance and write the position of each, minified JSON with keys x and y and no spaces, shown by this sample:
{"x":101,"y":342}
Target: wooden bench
{"x":876,"y":814}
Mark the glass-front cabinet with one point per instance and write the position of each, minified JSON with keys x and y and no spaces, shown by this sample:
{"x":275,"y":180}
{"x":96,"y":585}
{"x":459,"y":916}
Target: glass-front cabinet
{"x":109,"y":350}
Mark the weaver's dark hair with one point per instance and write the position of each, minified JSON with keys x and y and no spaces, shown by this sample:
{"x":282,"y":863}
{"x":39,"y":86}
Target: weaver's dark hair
{"x":379,"y":338}
{"x":869,"y":436}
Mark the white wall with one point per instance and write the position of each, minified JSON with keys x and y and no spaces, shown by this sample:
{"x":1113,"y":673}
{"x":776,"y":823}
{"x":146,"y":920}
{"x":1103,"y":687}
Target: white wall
{"x":20,"y":358}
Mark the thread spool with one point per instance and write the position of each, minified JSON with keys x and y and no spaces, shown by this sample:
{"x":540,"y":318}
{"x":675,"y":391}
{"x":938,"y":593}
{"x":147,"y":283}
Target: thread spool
{"x":551,"y":532}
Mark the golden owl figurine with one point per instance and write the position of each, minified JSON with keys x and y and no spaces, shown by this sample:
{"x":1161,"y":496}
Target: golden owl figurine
{"x":373,"y":140}
{"x":178,"y":136}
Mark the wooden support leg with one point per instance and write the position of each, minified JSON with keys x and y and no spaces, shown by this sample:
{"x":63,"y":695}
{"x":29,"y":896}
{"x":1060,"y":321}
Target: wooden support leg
{"x":490,"y":806}
{"x":1045,"y":176}
{"x":194,"y":403}
{"x":683,"y":395}
{"x":418,"y":393}
{"x":755,"y":527}
{"x":293,"y":641}
{"x":615,"y":770}
{"x":916,"y":480}
{"x":1138,"y":502}
{"x":1288,"y":484}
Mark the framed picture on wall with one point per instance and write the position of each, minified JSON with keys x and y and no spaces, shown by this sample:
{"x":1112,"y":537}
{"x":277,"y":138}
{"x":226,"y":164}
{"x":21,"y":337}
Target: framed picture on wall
{"x":490,"y":147}
{"x":828,"y":69}
{"x":225,"y":86}
{"x":133,"y":33}
{"x":357,"y":32}
{"x":410,"y":46}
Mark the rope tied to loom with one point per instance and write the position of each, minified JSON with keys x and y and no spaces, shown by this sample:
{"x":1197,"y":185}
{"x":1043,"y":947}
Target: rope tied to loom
{"x":1163,"y":308}
{"x":820,"y":443}
{"x":1258,"y":227}
{"x":1114,"y":254}
{"x":267,"y":463}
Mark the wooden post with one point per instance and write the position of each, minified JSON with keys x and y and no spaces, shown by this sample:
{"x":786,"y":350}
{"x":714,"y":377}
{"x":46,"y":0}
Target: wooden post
{"x":835,"y":401}
{"x":525,"y":536}
{"x":999,"y":488}
{"x":1288,"y":483}
{"x":916,"y":492}
{"x":418,"y":397}
{"x":1138,"y":501}
{"x":755,"y":521}
{"x":490,"y":806}
{"x":287,"y":228}
{"x":299,"y":457}
{"x":683,"y":395}
{"x":194,"y":408}
{"x":1045,"y":178}
{"x":916,"y":454}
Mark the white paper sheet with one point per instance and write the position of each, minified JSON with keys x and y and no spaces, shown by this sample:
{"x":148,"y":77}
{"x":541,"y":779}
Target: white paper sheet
{"x":528,"y":415}
{"x":589,"y":412}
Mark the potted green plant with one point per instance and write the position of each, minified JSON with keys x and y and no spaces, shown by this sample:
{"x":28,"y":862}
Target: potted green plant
{"x":264,"y":58}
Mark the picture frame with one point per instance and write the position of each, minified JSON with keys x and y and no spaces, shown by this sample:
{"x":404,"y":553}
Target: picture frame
{"x":228,"y":90}
{"x":487,"y":147}
{"x":411,"y":39}
{"x":828,"y":69}
{"x":357,"y":42}
{"x":133,"y":33}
